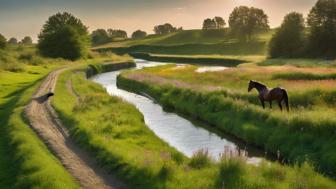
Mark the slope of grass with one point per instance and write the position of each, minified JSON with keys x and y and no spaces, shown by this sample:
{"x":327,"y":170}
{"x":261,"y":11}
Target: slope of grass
{"x":25,"y":162}
{"x":115,"y":132}
{"x":192,"y":42}
{"x":221,"y":99}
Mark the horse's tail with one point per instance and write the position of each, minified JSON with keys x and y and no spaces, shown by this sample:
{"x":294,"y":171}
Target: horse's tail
{"x":285,"y":98}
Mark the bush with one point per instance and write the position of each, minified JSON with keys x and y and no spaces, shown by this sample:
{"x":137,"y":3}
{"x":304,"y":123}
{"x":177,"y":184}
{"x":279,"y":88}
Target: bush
{"x":3,"y":42}
{"x":200,"y":159}
{"x":64,"y":36}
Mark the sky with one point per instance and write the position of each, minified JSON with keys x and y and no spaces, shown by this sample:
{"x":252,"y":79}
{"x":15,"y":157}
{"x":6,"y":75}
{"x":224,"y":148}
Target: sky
{"x":19,"y":18}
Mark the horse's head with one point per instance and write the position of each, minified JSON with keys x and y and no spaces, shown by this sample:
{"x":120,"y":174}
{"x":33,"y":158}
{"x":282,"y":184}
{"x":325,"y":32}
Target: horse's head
{"x":251,"y":86}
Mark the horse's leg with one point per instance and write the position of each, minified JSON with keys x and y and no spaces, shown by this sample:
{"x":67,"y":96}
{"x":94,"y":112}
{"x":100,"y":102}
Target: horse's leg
{"x":270,"y":102}
{"x":262,"y":103}
{"x":280,"y":106}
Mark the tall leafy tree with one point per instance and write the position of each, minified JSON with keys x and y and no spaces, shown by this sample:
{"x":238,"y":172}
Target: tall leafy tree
{"x":117,"y":33}
{"x":220,"y":22}
{"x":164,"y":29}
{"x":289,"y":40}
{"x":322,"y":23}
{"x":246,"y":21}
{"x":100,"y":36}
{"x":139,"y":34}
{"x":3,"y":42}
{"x":215,"y":23}
{"x":27,"y":40}
{"x":64,"y":36}
{"x":209,"y":24}
{"x":13,"y":41}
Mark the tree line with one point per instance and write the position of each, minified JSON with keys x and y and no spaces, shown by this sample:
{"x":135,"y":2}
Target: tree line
{"x":25,"y":41}
{"x":314,"y":37}
{"x":65,"y":36}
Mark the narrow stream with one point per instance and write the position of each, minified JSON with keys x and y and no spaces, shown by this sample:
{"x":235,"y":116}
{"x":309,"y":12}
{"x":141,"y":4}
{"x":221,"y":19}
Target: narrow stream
{"x":185,"y":135}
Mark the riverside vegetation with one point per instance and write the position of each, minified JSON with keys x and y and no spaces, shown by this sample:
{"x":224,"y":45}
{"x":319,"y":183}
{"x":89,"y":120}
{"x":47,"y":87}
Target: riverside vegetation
{"x":221,"y":99}
{"x":115,"y":133}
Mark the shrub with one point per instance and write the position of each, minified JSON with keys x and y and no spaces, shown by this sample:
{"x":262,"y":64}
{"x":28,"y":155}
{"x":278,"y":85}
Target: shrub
{"x":200,"y":159}
{"x":3,"y":42}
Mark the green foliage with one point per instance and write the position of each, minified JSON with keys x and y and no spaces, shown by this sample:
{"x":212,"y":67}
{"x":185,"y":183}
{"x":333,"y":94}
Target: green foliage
{"x":3,"y":42}
{"x":13,"y":41}
{"x":321,"y":21}
{"x":117,"y":33}
{"x":65,"y":43}
{"x":27,"y":40}
{"x":245,"y":21}
{"x":164,"y":29}
{"x":100,"y":36}
{"x":64,"y":36}
{"x":200,"y":159}
{"x":215,"y":23}
{"x":139,"y":34}
{"x":289,"y":40}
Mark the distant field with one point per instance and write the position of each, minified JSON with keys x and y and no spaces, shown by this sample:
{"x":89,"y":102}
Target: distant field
{"x":191,"y":42}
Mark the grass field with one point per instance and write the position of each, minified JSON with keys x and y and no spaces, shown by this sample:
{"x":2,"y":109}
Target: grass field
{"x":25,"y":162}
{"x":193,"y":42}
{"x":221,"y":98}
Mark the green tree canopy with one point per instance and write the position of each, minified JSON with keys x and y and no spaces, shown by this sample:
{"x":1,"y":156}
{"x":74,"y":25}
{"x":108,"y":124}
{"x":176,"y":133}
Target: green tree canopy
{"x":289,"y":40}
{"x":13,"y":41}
{"x":246,"y":21}
{"x":164,"y":29}
{"x":215,"y":23}
{"x":139,"y":34}
{"x":64,"y":36}
{"x":100,"y":36}
{"x":27,"y":40}
{"x":117,"y":33}
{"x":322,"y":23}
{"x":209,"y":24}
{"x":3,"y":42}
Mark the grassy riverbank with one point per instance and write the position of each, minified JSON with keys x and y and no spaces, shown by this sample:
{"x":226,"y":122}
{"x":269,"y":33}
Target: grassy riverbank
{"x":221,"y":98}
{"x":25,"y":162}
{"x":115,"y":133}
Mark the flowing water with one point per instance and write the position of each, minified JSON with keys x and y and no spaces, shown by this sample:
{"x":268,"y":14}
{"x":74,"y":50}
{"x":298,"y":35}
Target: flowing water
{"x":181,"y":133}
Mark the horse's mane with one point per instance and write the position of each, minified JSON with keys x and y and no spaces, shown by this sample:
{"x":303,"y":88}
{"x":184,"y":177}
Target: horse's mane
{"x":259,"y":85}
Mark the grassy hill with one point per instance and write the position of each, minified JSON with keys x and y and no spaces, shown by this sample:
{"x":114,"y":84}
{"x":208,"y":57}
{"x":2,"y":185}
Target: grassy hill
{"x":192,"y":42}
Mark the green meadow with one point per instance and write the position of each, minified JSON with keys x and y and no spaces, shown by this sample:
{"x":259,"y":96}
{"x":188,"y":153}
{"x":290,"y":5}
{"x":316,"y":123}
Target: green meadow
{"x":192,"y":42}
{"x":221,"y":99}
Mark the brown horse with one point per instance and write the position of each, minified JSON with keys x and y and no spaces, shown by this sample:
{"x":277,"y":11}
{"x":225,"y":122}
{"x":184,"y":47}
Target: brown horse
{"x":266,"y":94}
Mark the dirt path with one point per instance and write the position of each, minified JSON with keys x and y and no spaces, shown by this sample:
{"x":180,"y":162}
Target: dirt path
{"x":45,"y":123}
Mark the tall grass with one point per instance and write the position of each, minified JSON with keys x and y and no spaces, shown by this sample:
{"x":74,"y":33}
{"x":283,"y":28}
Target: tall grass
{"x":298,"y":136}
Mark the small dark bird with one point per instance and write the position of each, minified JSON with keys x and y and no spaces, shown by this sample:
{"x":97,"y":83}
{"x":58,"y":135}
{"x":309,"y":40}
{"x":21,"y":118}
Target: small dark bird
{"x":50,"y":94}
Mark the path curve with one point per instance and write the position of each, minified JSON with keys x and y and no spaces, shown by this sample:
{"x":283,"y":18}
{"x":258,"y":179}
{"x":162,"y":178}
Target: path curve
{"x":45,"y":123}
